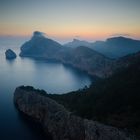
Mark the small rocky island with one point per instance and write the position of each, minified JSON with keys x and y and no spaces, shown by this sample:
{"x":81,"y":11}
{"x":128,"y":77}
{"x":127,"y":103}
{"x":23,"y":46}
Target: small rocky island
{"x":59,"y":122}
{"x":10,"y":54}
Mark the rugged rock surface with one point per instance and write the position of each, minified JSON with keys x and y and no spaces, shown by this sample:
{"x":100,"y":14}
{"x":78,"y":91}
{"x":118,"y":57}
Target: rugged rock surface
{"x":10,"y":54}
{"x":59,"y":122}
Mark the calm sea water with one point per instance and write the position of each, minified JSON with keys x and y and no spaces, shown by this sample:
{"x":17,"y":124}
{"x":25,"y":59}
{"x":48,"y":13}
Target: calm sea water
{"x":51,"y":76}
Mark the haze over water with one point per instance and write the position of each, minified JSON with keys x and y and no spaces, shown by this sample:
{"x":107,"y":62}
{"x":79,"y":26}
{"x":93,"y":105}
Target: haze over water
{"x":53,"y":77}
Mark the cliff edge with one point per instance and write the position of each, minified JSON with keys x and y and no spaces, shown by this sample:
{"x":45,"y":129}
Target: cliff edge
{"x":60,"y":123}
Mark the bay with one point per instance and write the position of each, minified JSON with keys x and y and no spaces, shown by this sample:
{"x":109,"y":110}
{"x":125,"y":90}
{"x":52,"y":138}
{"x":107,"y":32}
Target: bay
{"x":54,"y":77}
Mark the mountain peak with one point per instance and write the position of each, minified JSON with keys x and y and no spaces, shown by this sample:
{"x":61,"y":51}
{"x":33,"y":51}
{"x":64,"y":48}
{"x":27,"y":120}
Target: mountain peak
{"x":38,"y":34}
{"x":119,"y":38}
{"x":76,"y":43}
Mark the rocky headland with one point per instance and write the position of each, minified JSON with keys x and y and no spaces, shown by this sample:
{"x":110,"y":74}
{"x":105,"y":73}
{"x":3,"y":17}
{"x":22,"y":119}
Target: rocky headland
{"x":59,"y":122}
{"x":81,"y":57}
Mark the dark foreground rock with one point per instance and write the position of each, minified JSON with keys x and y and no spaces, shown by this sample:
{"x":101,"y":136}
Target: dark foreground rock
{"x":60,"y":123}
{"x":10,"y":54}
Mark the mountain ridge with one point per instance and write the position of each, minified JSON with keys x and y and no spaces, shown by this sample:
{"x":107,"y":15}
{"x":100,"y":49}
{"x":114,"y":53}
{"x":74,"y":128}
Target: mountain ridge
{"x":83,"y":58}
{"x":117,"y":47}
{"x":114,"y":47}
{"x":76,"y":43}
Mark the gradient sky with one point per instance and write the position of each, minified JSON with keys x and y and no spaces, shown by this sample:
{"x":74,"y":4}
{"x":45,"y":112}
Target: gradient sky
{"x":62,"y":19}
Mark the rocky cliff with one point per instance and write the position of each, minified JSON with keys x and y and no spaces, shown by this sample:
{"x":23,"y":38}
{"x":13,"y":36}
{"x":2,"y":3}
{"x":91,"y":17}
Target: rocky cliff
{"x":40,"y":46}
{"x":60,"y":123}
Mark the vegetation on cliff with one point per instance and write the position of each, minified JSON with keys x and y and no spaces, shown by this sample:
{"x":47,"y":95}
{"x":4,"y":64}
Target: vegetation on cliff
{"x":114,"y":101}
{"x":59,"y":123}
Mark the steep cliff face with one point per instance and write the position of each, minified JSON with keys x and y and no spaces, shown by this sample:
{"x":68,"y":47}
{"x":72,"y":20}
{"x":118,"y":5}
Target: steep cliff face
{"x":40,"y":46}
{"x":59,"y":122}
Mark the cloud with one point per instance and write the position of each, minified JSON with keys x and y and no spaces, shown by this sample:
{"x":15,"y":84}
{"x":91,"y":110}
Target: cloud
{"x":120,"y":34}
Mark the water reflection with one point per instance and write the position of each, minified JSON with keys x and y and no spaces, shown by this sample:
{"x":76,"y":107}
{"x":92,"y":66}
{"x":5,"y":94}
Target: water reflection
{"x":10,"y":61}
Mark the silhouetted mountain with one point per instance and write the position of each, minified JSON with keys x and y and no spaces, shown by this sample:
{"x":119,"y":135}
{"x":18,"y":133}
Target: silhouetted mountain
{"x":76,"y":43}
{"x":40,"y":46}
{"x":114,"y":101}
{"x":113,"y":47}
{"x":117,"y":47}
{"x":81,"y":57}
{"x":87,"y":60}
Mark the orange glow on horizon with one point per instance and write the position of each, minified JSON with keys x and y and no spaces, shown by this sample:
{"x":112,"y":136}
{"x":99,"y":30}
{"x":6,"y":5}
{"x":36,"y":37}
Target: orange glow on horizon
{"x":67,"y":32}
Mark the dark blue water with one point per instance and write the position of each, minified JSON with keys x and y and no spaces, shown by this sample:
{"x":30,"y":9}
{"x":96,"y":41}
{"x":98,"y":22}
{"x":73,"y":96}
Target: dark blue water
{"x":51,"y":76}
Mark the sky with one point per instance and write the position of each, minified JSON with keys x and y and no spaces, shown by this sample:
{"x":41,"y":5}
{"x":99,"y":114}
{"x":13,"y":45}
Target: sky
{"x":67,"y":19}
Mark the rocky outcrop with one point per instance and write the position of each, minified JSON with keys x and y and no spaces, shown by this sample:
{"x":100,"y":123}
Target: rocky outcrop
{"x":10,"y":54}
{"x":60,"y":123}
